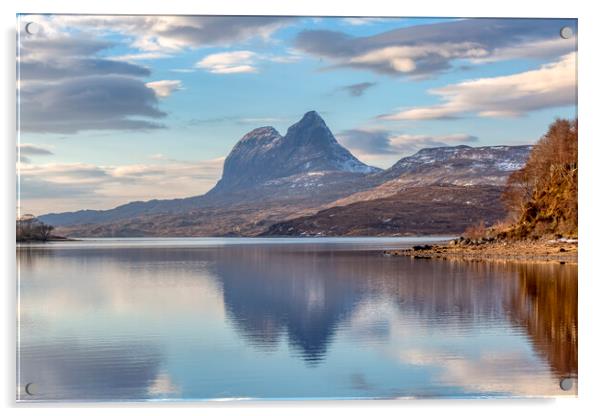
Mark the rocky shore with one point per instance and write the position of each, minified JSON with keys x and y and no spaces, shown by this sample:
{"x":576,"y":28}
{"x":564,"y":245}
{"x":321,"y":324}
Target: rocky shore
{"x":555,"y":250}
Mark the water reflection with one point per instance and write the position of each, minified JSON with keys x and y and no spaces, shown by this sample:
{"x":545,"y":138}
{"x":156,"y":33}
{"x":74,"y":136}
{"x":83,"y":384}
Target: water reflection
{"x":289,"y":321}
{"x":269,"y":292}
{"x":70,"y":369}
{"x":545,"y":304}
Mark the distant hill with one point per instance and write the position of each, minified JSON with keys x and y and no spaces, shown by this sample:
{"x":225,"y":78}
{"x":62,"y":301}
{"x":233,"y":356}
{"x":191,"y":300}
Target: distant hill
{"x":269,"y":179}
{"x":457,"y":165}
{"x":431,"y":209}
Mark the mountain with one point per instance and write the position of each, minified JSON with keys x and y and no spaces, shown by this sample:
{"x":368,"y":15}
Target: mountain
{"x":458,"y":165}
{"x":123,"y":212}
{"x":303,"y":169}
{"x":308,"y":146}
{"x":435,"y":191}
{"x":270,"y":180}
{"x":423,"y":209}
{"x":306,"y":166}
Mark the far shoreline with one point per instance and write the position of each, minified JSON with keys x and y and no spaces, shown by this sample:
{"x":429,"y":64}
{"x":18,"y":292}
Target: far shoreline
{"x":443,"y":247}
{"x":47,"y":240}
{"x":434,"y":237}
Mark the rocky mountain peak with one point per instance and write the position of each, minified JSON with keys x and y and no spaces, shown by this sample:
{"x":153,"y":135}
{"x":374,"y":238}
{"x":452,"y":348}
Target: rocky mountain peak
{"x":261,"y":135}
{"x":256,"y":141}
{"x":308,"y":146}
{"x":310,"y":130}
{"x":311,"y":117}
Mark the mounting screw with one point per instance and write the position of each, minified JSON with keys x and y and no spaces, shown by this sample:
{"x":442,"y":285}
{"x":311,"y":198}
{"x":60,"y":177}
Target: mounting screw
{"x":566,"y":384}
{"x":30,"y":389}
{"x":566,"y":32}
{"x":32,"y":28}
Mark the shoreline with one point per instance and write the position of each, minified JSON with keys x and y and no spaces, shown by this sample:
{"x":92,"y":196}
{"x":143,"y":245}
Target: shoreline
{"x":48,"y":240}
{"x":539,"y":251}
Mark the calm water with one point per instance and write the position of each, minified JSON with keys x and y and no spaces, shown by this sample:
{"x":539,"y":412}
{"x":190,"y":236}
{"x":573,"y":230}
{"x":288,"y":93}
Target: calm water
{"x":187,"y":319}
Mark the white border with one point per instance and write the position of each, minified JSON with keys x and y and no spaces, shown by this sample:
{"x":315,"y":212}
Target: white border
{"x":590,"y":153}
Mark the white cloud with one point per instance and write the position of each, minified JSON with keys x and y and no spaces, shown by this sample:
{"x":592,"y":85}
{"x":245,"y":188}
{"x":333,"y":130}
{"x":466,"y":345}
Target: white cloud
{"x":58,"y":187}
{"x":143,"y":56}
{"x":67,"y":85}
{"x":540,"y":49}
{"x":98,"y":102}
{"x":182,"y":70}
{"x":361,"y":21}
{"x":237,"y":62}
{"x":404,"y":58}
{"x":552,"y":85}
{"x":164,"y":88}
{"x":66,"y":173}
{"x":382,"y":147}
{"x":410,"y":143}
{"x":170,"y":33}
{"x":383,"y":142}
{"x":428,"y":49}
{"x":229,"y":62}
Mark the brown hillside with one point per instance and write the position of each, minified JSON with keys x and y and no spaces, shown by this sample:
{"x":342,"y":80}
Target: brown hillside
{"x":421,"y":210}
{"x":542,"y":196}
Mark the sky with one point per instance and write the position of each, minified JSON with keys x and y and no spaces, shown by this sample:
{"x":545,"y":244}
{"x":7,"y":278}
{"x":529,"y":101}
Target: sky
{"x":113,"y":109}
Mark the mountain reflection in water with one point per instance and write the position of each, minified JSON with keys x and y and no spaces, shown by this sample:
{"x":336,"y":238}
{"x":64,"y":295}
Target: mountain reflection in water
{"x":300,"y":320}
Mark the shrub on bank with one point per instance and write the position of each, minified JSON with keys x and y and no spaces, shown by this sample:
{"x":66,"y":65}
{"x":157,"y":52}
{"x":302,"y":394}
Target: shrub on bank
{"x":29,"y":228}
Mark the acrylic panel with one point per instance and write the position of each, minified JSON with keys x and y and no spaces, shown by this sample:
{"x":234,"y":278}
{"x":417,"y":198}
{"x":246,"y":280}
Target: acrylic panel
{"x":300,"y":207}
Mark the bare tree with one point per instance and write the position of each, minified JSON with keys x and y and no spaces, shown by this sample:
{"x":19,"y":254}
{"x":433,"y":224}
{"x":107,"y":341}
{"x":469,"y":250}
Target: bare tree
{"x":29,"y":228}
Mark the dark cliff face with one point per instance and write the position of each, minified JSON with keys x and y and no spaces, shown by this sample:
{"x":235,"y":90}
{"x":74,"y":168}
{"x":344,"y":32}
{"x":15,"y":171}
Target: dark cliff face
{"x":308,"y":146}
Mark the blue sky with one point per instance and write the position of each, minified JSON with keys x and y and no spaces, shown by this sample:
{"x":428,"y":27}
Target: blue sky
{"x":122,"y":108}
